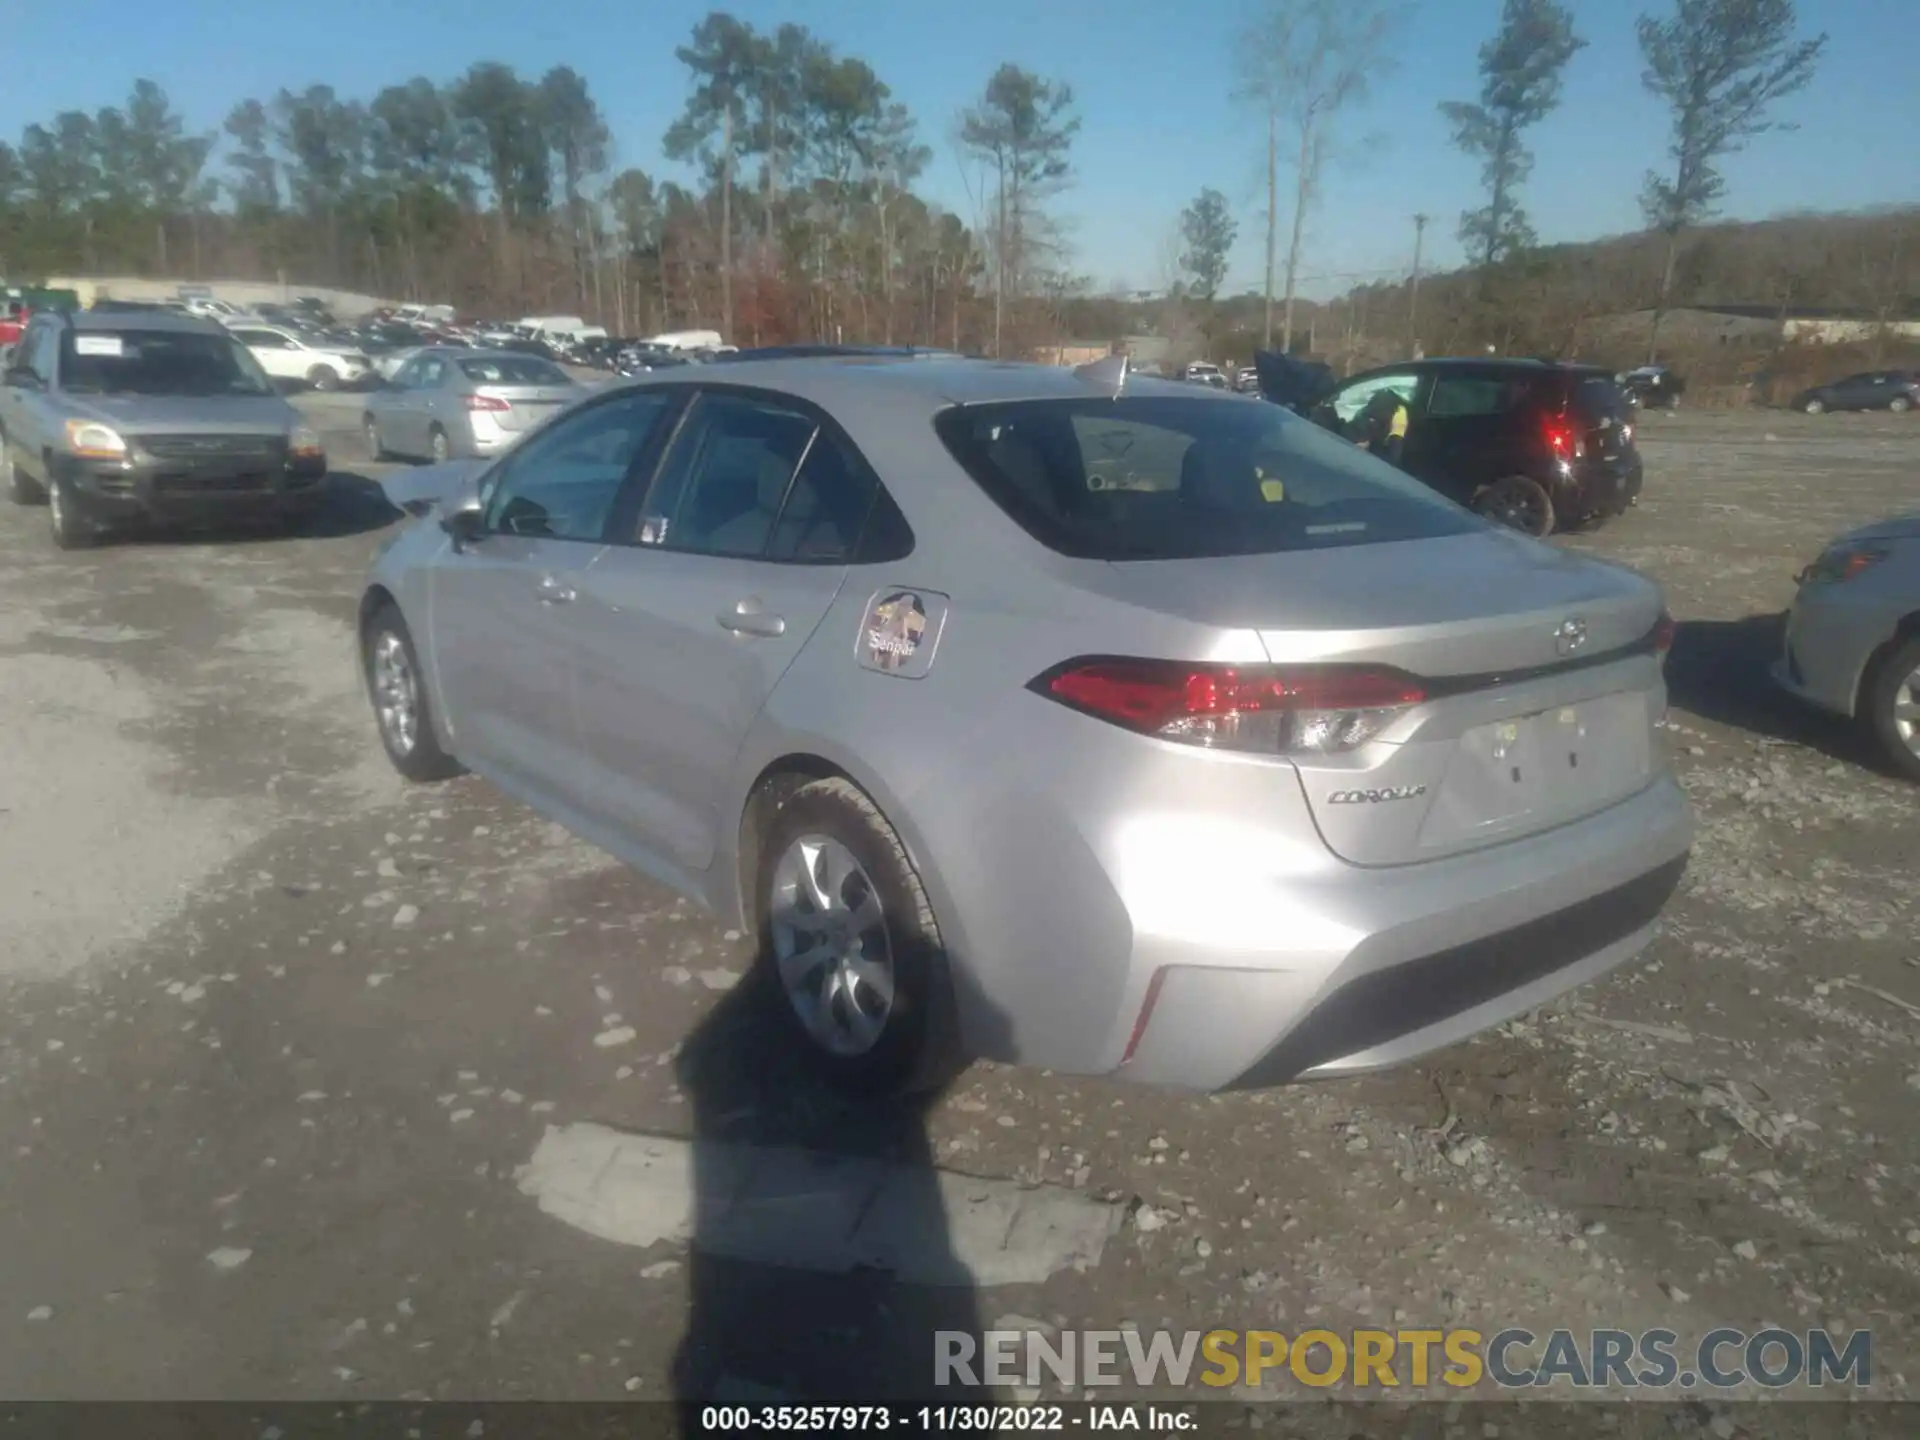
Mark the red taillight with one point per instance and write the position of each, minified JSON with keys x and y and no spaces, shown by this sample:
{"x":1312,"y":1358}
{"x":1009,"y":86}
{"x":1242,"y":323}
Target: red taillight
{"x":1663,"y":633}
{"x":1322,"y":708}
{"x":1565,"y":441}
{"x":487,"y":402}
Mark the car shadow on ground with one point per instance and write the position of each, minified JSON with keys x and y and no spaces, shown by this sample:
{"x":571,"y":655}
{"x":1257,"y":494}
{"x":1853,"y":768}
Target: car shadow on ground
{"x":351,"y":504}
{"x":1721,"y":670}
{"x":846,"y":1191}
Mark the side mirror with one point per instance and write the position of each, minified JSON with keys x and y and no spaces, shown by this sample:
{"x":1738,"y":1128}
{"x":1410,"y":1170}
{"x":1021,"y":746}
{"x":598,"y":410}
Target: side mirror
{"x":22,"y":377}
{"x":465,"y":520}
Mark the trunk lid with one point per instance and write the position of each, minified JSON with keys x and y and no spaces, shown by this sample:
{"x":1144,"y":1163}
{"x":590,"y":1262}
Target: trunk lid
{"x":527,"y":405}
{"x":1528,"y":723}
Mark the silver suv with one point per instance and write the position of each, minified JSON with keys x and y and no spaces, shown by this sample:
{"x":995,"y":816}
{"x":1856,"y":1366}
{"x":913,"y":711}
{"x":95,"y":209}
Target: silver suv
{"x":114,"y":417}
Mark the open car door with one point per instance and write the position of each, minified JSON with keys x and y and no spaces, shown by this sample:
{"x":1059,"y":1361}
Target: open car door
{"x":1296,"y":384}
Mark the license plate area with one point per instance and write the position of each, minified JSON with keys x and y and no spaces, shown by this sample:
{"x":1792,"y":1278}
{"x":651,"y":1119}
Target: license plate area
{"x":1535,"y":770}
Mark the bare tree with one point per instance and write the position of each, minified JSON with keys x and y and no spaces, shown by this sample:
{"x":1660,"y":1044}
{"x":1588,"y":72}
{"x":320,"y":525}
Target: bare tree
{"x":1302,"y":62}
{"x":1023,"y":127}
{"x":1720,"y":65}
{"x":1520,"y":69}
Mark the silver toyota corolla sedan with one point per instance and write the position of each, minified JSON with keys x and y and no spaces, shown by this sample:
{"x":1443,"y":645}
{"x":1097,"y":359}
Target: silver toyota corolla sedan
{"x":442,"y":403}
{"x":1053,"y":716}
{"x":1853,"y":636}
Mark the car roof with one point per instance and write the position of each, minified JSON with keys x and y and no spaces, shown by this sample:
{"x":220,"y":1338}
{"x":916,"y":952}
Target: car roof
{"x":934,"y":382}
{"x":161,"y":320}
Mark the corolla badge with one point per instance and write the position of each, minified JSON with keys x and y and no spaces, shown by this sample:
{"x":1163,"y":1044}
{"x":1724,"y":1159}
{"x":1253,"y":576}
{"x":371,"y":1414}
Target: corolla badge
{"x":1570,"y":636}
{"x":1376,"y":797}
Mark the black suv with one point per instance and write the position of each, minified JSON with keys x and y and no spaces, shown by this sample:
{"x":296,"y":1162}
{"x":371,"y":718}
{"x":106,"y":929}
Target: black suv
{"x":1534,"y":444}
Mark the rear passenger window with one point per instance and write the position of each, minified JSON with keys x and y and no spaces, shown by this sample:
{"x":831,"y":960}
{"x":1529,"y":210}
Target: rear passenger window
{"x":755,"y":479}
{"x":724,"y":487}
{"x":1471,"y":395}
{"x":826,"y":507}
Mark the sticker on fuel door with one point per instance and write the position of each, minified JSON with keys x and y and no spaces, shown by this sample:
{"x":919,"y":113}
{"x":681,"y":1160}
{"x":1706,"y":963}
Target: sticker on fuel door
{"x":899,"y":632}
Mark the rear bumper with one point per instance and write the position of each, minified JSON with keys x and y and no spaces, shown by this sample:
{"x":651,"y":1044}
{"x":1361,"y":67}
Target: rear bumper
{"x":1460,"y":946}
{"x":1386,"y":1017}
{"x":170,"y":489}
{"x":1135,"y":910}
{"x":1604,"y":487}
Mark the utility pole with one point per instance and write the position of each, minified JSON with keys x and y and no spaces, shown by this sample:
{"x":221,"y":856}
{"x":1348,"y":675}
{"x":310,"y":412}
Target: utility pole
{"x":726,"y":221}
{"x":1413,"y":298}
{"x":1273,"y":211}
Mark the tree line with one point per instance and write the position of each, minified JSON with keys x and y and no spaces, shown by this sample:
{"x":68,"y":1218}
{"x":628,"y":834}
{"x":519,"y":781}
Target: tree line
{"x":500,"y":192}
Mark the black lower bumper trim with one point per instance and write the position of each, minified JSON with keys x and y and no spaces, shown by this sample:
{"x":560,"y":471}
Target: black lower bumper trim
{"x":1384,"y":1005}
{"x":171,"y":489}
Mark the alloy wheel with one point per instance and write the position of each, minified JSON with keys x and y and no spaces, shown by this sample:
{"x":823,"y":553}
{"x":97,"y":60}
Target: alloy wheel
{"x":396,"y":693}
{"x":1515,"y":506}
{"x":1906,"y":711}
{"x":830,"y":945}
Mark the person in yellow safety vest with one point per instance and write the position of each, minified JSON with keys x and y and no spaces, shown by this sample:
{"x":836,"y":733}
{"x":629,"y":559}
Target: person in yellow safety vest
{"x":1382,"y":428}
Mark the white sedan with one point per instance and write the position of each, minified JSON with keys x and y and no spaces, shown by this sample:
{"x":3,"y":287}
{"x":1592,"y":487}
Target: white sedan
{"x":285,"y":355}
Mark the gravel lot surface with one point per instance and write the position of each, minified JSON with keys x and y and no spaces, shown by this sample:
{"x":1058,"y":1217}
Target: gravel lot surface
{"x":281,"y":1039}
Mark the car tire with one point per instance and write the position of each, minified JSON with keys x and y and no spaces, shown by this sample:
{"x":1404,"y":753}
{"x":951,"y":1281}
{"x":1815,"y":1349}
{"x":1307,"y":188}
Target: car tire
{"x":397,"y":690}
{"x":21,"y":489}
{"x":1893,"y":686}
{"x":1518,"y":503}
{"x":323,"y":378}
{"x":829,"y":840}
{"x":1900,"y":404}
{"x":374,"y":445}
{"x":438,"y":446}
{"x":1813,"y":406}
{"x":72,"y":527}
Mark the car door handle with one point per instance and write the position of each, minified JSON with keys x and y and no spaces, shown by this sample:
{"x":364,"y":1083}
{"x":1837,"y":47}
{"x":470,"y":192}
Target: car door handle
{"x":553,"y":592}
{"x":747,"y":618}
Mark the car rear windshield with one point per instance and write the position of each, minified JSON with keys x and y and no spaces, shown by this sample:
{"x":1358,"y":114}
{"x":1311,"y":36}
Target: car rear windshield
{"x":1163,"y":478}
{"x":1596,"y":398}
{"x":520,"y":370}
{"x":158,"y":362}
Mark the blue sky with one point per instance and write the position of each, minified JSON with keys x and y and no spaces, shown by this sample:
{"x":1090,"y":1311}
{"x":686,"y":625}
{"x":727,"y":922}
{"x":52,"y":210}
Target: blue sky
{"x":1153,"y":81}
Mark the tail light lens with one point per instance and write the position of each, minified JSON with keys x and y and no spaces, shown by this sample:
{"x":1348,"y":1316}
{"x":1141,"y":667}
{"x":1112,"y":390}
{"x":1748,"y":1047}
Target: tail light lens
{"x":1269,"y":710}
{"x":487,"y":402}
{"x":1566,"y":443}
{"x":1842,"y":563}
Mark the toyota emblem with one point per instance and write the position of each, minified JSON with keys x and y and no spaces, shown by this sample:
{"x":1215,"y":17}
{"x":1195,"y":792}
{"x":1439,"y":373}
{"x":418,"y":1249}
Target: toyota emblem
{"x":1570,"y":636}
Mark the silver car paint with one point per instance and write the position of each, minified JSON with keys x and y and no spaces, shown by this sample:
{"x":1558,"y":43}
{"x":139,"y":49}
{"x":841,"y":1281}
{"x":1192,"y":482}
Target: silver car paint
{"x":34,"y":420}
{"x":405,"y":419}
{"x":1068,"y":861}
{"x":1835,"y":630}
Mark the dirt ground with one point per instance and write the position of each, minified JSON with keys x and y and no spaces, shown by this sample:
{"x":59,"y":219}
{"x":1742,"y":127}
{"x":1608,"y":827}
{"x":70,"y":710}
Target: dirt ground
{"x":281,"y":1037}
